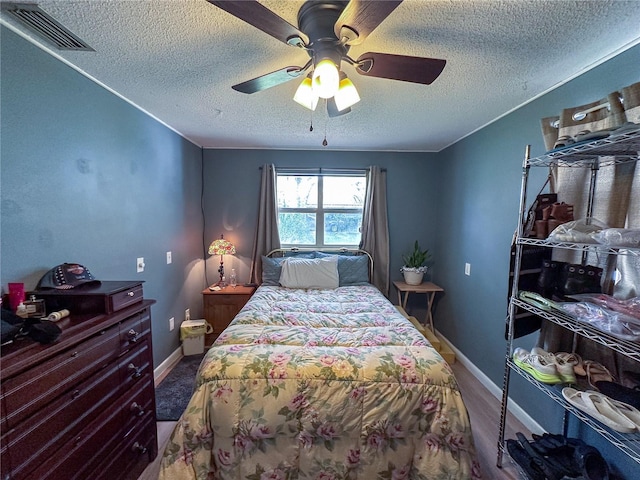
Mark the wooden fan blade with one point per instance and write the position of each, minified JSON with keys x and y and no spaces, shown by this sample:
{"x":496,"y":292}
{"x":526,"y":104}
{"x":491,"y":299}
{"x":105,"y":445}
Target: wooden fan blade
{"x":263,"y":19}
{"x":361,"y":17}
{"x":400,"y":67}
{"x":269,"y":80}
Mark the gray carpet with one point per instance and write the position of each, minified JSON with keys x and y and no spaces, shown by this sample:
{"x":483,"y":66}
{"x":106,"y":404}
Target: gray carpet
{"x":174,"y":392}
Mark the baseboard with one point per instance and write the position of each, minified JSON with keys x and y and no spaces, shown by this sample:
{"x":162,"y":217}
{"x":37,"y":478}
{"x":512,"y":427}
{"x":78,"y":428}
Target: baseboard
{"x":160,"y":371}
{"x":513,"y":407}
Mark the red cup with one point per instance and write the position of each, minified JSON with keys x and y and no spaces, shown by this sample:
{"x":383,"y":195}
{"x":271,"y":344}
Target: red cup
{"x":16,"y":295}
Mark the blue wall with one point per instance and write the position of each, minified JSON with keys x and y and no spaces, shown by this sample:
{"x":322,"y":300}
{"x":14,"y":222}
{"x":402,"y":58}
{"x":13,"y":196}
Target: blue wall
{"x":88,"y":178}
{"x":232,"y":179}
{"x":479,"y":197}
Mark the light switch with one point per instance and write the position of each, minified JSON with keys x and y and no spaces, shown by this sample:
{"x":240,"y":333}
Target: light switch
{"x":140,"y":264}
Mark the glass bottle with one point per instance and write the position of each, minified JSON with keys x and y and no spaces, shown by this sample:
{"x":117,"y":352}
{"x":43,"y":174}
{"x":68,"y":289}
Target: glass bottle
{"x":233,"y":279}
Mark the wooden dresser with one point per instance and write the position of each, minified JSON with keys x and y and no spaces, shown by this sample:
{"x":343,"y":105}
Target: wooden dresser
{"x":84,"y":406}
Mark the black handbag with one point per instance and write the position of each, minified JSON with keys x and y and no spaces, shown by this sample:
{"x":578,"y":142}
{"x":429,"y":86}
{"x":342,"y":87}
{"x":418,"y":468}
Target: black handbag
{"x":581,"y":279}
{"x":560,"y":279}
{"x":531,"y":260}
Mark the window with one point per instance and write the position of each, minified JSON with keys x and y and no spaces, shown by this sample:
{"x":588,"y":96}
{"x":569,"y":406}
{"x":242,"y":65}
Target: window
{"x":320,"y":209}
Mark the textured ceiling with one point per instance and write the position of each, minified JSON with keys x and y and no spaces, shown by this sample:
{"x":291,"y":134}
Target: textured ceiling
{"x":177,"y":61}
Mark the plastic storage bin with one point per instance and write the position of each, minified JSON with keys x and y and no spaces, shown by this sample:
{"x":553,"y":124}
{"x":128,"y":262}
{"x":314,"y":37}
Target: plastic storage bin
{"x":192,"y":334}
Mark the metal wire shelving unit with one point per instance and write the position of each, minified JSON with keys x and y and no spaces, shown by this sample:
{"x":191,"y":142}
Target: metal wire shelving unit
{"x":614,"y":150}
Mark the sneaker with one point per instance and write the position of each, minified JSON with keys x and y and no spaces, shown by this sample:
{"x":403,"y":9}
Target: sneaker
{"x":537,"y":366}
{"x":564,"y":363}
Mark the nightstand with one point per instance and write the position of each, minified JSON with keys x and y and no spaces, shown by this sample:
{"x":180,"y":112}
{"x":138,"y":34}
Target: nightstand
{"x":426,"y":287}
{"x":221,"y":306}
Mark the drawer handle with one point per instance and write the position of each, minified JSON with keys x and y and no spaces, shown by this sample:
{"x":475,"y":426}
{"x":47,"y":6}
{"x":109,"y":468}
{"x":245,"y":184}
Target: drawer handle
{"x":137,"y":371}
{"x":136,"y":409}
{"x":138,"y":448}
{"x":133,"y":335}
{"x":75,"y":394}
{"x":130,"y":294}
{"x":74,"y":354}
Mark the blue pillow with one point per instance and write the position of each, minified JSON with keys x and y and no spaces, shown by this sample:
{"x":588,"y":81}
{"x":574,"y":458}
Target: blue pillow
{"x":352,"y":269}
{"x":272,"y":267}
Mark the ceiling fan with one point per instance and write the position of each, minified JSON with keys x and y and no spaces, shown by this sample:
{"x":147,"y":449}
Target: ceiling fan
{"x":326,"y":30}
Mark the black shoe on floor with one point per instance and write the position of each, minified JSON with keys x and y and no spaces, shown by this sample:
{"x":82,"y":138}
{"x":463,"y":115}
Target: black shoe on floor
{"x":524,"y":460}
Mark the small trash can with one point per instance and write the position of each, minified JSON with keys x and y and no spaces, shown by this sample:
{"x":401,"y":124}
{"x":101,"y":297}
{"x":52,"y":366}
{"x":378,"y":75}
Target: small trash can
{"x":192,"y":334}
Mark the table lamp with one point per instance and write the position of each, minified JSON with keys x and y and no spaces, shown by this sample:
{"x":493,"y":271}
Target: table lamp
{"x":221,"y":247}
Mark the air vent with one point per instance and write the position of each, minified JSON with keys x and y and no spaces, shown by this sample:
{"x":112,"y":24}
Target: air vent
{"x":36,"y":20}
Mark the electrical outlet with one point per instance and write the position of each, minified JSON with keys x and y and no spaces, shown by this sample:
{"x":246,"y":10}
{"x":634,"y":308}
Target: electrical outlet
{"x":172,"y":324}
{"x":140,"y":264}
{"x":467,"y":269}
{"x":168,"y":258}
{"x":187,"y":314}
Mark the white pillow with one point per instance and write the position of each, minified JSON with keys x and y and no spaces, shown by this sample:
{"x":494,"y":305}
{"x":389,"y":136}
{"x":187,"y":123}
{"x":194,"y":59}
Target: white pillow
{"x":310,"y":273}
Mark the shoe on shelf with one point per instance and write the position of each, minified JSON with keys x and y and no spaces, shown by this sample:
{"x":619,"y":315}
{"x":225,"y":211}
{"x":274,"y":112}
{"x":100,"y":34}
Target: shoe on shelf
{"x":524,"y":460}
{"x":630,"y":396}
{"x":577,"y":459}
{"x":537,"y":366}
{"x":628,"y":411}
{"x":564,"y":363}
{"x":601,"y":408}
{"x":596,"y":372}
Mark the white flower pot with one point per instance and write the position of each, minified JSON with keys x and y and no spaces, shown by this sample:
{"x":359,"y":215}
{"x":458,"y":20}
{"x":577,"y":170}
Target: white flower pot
{"x":412,"y":278}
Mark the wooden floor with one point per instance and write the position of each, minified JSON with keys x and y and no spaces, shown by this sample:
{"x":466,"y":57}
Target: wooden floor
{"x":484,"y":411}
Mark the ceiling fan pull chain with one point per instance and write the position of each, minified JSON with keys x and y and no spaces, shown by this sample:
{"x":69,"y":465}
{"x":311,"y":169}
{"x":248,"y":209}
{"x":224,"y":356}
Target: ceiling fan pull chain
{"x":324,"y":142}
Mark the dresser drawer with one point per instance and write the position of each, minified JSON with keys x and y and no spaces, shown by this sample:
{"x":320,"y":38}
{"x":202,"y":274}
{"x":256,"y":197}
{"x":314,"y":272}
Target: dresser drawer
{"x":134,"y":330}
{"x":75,"y":459}
{"x":135,"y":366}
{"x":132,"y":455}
{"x":31,"y":390}
{"x":125,"y":298}
{"x":35,"y":438}
{"x":138,"y":406}
{"x":108,"y":297}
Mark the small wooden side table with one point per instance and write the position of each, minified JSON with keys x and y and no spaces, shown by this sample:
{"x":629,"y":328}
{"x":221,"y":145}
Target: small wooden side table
{"x":429,"y":288}
{"x":221,"y":306}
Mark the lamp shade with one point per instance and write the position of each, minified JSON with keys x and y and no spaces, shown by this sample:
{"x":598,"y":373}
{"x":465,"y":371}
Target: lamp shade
{"x":326,"y":78}
{"x":305,"y":95}
{"x":222,"y":247}
{"x":347,"y":95}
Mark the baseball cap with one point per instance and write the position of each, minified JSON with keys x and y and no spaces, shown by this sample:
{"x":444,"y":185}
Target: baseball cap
{"x":66,"y":276}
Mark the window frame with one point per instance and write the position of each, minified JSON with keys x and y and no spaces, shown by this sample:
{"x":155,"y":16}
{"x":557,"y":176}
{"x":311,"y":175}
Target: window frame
{"x":320,"y":211}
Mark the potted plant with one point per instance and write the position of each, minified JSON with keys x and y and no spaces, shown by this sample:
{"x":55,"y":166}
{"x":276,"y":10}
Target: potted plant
{"x":414,"y":265}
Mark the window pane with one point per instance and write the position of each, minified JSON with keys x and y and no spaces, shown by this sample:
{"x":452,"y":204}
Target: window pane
{"x":343,"y":192}
{"x":342,"y":228}
{"x":297,"y":228}
{"x":297,"y":192}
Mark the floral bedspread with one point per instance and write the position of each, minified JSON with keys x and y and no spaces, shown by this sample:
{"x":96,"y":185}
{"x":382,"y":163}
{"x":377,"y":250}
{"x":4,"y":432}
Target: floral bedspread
{"x":322,"y":384}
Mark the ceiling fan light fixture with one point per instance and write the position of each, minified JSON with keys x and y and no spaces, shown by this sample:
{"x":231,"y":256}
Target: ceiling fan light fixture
{"x":326,"y":78}
{"x":305,"y":95}
{"x":347,"y":94}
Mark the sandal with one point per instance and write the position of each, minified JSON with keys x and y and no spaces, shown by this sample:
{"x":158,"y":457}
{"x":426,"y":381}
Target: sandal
{"x":596,"y":372}
{"x":601,"y":408}
{"x":573,"y":359}
{"x":537,"y":300}
{"x":628,"y":411}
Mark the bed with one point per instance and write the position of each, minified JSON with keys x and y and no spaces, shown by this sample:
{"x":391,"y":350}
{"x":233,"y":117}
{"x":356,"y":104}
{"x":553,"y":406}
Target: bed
{"x":322,"y":383}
